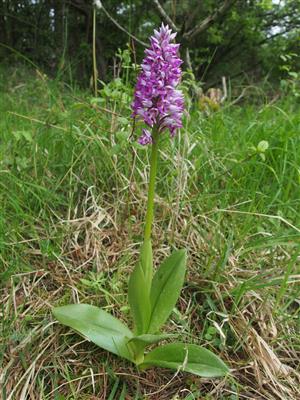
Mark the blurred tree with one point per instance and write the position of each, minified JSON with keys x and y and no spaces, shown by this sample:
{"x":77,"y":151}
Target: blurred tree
{"x":218,"y":37}
{"x":230,"y":37}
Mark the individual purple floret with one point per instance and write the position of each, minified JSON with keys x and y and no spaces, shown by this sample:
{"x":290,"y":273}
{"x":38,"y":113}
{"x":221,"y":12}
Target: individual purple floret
{"x":146,"y":137}
{"x":157,"y":101}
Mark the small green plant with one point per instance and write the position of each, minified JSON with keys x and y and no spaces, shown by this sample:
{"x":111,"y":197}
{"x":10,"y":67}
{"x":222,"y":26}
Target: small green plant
{"x":291,"y":81}
{"x":152,"y":296}
{"x":260,"y":149}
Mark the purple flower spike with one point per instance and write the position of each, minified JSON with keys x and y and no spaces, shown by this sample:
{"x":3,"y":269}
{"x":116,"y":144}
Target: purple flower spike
{"x":156,"y":101}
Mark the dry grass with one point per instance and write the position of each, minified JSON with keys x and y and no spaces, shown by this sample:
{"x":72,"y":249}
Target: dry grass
{"x":43,"y":359}
{"x":72,"y":231}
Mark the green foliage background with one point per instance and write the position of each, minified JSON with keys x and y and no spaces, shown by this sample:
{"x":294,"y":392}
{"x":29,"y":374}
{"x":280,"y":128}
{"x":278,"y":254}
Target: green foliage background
{"x":235,"y":37}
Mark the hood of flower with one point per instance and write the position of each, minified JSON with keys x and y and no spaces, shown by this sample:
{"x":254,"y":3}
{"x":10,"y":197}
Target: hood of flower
{"x":157,"y":101}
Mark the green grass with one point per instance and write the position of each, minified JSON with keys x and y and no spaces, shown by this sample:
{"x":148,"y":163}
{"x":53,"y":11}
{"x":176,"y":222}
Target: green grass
{"x":73,"y":195}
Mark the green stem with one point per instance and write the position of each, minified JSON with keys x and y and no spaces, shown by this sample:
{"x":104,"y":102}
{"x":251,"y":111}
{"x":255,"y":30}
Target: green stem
{"x":95,"y":72}
{"x":151,"y":189}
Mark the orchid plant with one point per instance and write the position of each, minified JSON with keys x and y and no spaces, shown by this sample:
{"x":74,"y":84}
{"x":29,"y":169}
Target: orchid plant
{"x":152,"y":295}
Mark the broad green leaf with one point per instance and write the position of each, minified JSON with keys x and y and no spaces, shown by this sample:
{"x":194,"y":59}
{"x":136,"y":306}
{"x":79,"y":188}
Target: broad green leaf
{"x":148,"y":339}
{"x":138,"y":296}
{"x":137,"y":344}
{"x":27,"y":135}
{"x":186,"y":357}
{"x":97,"y":326}
{"x":139,"y":289}
{"x":147,"y":261}
{"x":166,"y":286}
